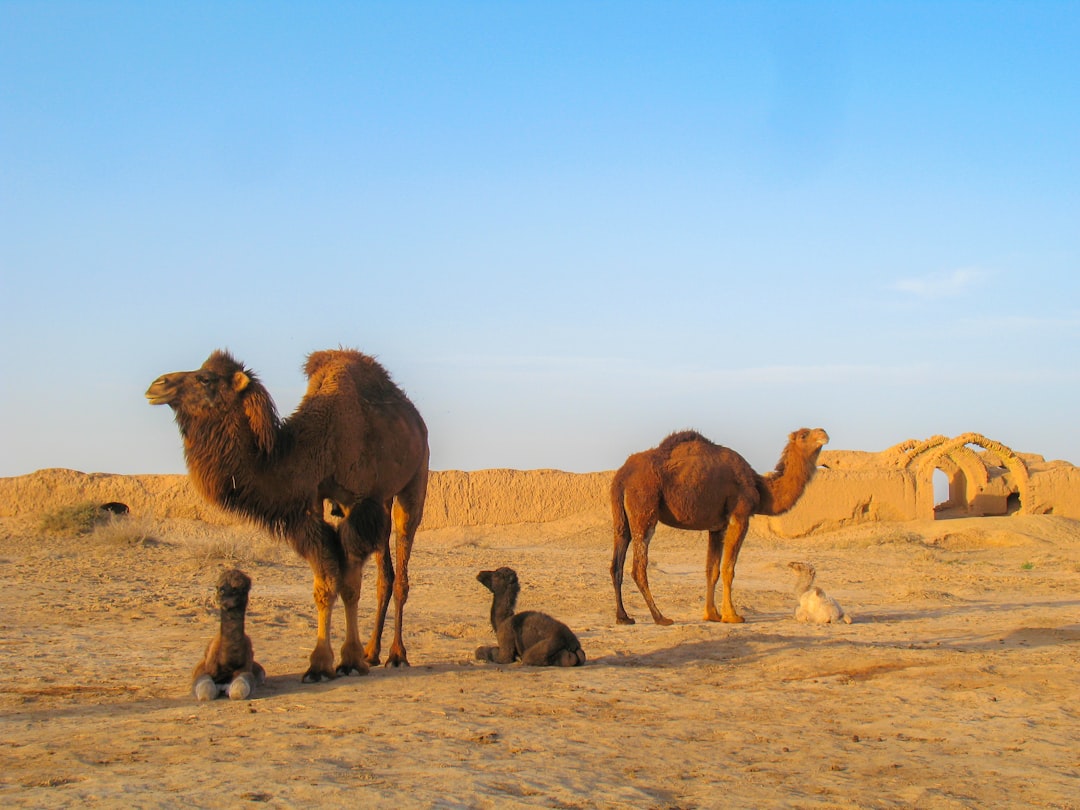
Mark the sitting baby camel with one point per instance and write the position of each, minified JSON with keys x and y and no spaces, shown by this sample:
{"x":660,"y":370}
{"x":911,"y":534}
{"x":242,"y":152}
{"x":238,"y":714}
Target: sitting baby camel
{"x":229,"y":663}
{"x":815,"y":606}
{"x":536,"y":638}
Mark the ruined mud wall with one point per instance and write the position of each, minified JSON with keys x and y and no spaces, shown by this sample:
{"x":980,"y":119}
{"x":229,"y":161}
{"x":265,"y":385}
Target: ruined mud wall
{"x":1055,"y":489}
{"x":485,"y":497}
{"x":850,"y":489}
{"x":836,"y":499}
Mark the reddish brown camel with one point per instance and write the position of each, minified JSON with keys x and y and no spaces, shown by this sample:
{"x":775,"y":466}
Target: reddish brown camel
{"x":690,"y":483}
{"x":355,"y":440}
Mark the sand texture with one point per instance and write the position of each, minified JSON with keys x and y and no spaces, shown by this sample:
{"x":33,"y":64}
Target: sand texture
{"x":956,"y":685}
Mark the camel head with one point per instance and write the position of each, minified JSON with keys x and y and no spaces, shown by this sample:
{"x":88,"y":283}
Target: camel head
{"x":501,"y":580}
{"x":217,"y":392}
{"x":232,"y":590}
{"x":805,"y":574}
{"x":503,"y":583}
{"x":809,"y":441}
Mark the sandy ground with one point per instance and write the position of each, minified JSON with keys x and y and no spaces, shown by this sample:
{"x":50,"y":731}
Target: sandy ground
{"x":956,"y":685}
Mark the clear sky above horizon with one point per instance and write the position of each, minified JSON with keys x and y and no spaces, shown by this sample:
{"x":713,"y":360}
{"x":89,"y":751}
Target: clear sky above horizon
{"x":567,"y":229}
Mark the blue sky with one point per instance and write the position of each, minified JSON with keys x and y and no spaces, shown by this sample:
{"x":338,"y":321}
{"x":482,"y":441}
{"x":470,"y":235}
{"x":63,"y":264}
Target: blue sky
{"x":567,"y":229}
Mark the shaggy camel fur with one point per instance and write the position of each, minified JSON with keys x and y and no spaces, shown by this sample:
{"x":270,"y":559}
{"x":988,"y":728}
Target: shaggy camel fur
{"x":815,"y":606}
{"x":355,"y":440}
{"x":536,"y":638}
{"x":690,"y":483}
{"x":229,"y":663}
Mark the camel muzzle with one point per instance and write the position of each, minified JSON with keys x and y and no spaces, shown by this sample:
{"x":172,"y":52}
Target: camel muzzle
{"x":162,"y":391}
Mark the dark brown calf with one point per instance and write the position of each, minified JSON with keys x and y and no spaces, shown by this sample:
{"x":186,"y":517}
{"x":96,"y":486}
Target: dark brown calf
{"x":229,"y":663}
{"x":536,"y":638}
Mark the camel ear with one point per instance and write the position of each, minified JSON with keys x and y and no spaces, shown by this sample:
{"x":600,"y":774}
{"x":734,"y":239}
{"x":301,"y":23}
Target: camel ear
{"x":240,"y":381}
{"x":261,"y":416}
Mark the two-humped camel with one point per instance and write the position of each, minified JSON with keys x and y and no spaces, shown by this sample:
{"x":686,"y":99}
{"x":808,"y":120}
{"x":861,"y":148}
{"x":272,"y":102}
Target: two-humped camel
{"x":690,"y":483}
{"x":355,"y":439}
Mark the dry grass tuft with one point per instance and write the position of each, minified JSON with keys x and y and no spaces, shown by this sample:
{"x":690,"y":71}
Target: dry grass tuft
{"x":125,"y":530}
{"x":79,"y":518}
{"x":236,"y":546}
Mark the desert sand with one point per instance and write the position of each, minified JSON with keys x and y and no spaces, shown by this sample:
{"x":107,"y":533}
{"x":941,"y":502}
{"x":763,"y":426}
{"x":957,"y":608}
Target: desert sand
{"x":955,"y":686}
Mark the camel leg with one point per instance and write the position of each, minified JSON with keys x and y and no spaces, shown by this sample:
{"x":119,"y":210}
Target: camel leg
{"x":712,"y":575}
{"x":384,"y":586}
{"x":322,"y":657}
{"x":365,"y":531}
{"x":641,"y":574}
{"x":507,"y":651}
{"x":618,"y":563}
{"x":352,"y":652}
{"x":408,"y":508}
{"x":319,"y":544}
{"x":550,"y":652}
{"x":733,"y":540}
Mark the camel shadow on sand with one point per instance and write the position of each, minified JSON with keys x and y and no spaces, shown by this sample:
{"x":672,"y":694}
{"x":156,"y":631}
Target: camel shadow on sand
{"x":960,"y":607}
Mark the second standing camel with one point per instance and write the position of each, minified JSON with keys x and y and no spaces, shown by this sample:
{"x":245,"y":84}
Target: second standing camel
{"x":689,"y":482}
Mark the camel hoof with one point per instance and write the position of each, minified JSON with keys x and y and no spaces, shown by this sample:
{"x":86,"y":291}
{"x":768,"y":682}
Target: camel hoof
{"x":734,"y":618}
{"x":349,"y":669}
{"x":624,"y":620}
{"x":663,"y":621}
{"x":314,"y":675}
{"x":397,"y":661}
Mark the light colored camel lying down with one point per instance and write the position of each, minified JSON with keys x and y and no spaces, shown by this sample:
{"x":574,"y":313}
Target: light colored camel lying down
{"x":815,"y":606}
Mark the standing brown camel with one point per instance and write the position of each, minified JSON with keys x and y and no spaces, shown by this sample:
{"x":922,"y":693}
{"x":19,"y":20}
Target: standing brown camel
{"x":690,"y":483}
{"x":355,"y":440}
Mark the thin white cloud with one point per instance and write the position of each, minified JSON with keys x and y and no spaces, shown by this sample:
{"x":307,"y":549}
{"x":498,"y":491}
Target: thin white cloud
{"x":943,"y":285}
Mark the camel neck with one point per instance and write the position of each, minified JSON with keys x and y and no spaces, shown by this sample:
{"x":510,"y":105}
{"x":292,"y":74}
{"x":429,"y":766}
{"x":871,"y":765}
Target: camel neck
{"x":783,"y":487}
{"x":232,"y":622}
{"x":806,"y":579}
{"x":502,"y":608}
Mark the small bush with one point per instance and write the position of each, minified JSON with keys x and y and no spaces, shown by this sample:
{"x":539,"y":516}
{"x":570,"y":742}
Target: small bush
{"x":78,"y":519}
{"x":124,"y":530}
